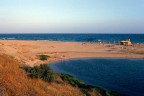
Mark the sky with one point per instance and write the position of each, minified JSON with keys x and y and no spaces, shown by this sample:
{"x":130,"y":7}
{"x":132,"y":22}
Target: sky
{"x":71,"y":16}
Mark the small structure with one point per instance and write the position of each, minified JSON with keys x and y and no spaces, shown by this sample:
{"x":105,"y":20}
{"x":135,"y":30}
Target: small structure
{"x":126,"y":43}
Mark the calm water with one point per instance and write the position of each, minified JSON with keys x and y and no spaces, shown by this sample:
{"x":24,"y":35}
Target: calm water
{"x":123,"y":75}
{"x":135,"y":38}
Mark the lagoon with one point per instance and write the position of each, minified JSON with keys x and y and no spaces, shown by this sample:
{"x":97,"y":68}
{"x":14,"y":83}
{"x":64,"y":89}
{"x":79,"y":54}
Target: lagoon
{"x":122,"y":75}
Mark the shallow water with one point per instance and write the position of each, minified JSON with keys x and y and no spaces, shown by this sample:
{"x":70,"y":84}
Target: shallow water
{"x":123,"y":75}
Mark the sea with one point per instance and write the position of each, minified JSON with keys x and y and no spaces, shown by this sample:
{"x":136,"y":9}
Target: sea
{"x":109,"y":38}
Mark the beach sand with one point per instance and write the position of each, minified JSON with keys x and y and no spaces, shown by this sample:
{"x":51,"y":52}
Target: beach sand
{"x":27,"y":52}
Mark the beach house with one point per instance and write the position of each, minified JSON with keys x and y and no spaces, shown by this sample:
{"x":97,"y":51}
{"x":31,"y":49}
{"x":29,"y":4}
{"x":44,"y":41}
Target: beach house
{"x":126,"y":43}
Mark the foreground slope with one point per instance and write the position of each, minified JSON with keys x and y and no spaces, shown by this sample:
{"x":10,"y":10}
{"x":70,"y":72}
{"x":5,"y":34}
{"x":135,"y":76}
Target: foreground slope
{"x":14,"y":82}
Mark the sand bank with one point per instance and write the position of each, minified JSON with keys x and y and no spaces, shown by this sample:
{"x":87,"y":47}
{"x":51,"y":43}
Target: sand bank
{"x":27,"y":51}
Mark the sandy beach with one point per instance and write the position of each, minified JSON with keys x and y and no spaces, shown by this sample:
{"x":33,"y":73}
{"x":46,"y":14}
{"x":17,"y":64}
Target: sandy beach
{"x":27,"y":52}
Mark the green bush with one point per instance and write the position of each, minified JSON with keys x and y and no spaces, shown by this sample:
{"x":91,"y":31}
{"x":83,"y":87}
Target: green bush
{"x":71,"y":80}
{"x":43,"y":71}
{"x":44,"y":57}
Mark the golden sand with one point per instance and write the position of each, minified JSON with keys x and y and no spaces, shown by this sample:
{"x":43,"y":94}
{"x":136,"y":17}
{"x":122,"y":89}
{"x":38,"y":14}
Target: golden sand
{"x":27,"y":51}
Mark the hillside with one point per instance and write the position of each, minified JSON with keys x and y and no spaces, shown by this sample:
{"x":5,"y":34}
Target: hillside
{"x":20,"y":80}
{"x":15,"y":82}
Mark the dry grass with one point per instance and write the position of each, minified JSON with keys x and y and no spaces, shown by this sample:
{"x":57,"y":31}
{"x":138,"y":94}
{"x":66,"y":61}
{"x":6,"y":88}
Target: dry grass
{"x":14,"y":82}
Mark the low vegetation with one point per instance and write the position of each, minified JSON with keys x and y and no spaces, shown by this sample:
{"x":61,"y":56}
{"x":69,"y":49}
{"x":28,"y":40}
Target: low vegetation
{"x":43,"y":57}
{"x":71,"y":80}
{"x":16,"y":80}
{"x":43,"y":72}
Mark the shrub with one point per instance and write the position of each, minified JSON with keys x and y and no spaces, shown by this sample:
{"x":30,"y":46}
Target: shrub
{"x":70,"y":79}
{"x":43,"y":57}
{"x":43,"y":71}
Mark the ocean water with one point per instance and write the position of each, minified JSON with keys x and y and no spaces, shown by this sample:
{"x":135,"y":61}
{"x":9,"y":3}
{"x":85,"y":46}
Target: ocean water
{"x":135,"y":38}
{"x":122,"y":75}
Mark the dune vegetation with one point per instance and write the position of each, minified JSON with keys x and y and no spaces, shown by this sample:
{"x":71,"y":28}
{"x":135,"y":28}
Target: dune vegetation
{"x":14,"y":81}
{"x":43,"y":57}
{"x":19,"y":80}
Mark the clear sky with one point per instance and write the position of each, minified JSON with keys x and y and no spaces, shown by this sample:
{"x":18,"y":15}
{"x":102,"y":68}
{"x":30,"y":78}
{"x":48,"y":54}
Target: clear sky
{"x":87,"y":16}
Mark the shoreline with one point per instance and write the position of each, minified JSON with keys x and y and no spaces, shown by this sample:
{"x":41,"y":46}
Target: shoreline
{"x":27,"y":51}
{"x":57,"y":61}
{"x":92,"y":42}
